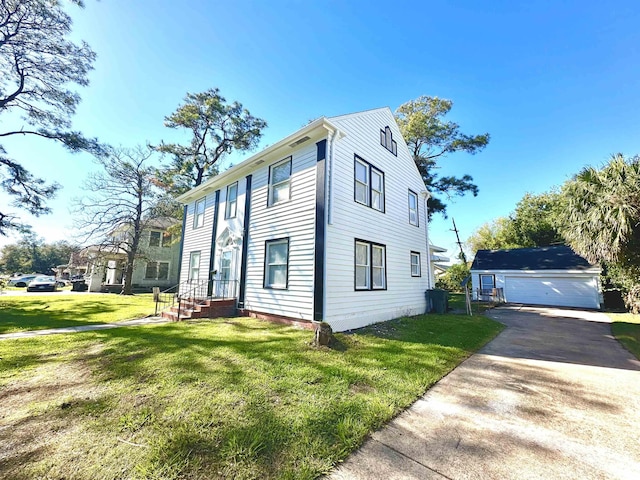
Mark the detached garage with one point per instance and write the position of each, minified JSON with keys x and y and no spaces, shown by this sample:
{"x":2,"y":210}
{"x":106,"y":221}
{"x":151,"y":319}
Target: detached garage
{"x":538,"y":276}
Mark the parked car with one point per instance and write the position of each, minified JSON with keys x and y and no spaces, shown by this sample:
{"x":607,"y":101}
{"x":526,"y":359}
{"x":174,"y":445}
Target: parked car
{"x":43,"y":284}
{"x":21,"y":281}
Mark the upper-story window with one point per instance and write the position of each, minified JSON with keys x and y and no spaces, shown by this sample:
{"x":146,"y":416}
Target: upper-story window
{"x":198,"y":213}
{"x":232,"y":201}
{"x":368,"y":185}
{"x":154,"y":239}
{"x":280,"y":181}
{"x":387,"y":141}
{"x":413,"y":208}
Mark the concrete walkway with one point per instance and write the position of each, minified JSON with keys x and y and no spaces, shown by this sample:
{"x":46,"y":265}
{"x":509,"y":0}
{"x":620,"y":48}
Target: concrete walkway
{"x":84,"y":328}
{"x":554,"y":396}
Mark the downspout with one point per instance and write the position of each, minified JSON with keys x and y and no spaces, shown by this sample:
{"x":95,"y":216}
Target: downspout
{"x":426,"y":196}
{"x":329,"y":178}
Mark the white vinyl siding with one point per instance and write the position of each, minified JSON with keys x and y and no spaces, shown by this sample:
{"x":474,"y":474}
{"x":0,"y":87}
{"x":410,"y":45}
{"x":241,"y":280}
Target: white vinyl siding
{"x":293,"y":219}
{"x":199,"y":239}
{"x":345,"y":306}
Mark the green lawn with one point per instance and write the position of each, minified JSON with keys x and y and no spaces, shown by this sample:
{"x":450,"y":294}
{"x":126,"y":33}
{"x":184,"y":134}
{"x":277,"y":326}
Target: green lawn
{"x":19,"y":313}
{"x":228,"y":398}
{"x":457,"y":303}
{"x":626,"y":329}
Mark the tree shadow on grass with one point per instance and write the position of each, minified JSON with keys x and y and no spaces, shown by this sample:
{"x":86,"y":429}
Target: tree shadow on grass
{"x":37,"y":314}
{"x":248,"y":398}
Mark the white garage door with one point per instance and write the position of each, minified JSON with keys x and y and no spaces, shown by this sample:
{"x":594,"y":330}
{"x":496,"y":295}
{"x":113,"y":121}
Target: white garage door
{"x":559,"y":291}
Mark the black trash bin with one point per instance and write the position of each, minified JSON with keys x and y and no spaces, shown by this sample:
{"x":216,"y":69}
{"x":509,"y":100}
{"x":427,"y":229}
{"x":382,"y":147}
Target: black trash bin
{"x":437,"y":300}
{"x":79,"y":286}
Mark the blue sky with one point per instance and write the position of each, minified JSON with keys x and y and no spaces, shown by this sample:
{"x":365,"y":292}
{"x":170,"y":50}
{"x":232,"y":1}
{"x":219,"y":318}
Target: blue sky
{"x":555,"y":83}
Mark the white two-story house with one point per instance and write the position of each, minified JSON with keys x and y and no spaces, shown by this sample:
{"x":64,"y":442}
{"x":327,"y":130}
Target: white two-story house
{"x":328,"y":224}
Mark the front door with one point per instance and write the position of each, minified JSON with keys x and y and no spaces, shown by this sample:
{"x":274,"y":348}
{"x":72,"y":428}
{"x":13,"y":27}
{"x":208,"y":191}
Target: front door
{"x":226,"y":284}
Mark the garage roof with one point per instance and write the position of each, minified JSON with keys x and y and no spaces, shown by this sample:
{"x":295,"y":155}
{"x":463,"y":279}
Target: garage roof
{"x":542,"y":258}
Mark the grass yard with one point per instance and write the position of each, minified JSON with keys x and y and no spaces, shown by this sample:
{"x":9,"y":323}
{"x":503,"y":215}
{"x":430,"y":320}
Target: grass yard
{"x":19,"y":313}
{"x":626,"y":329}
{"x":457,"y":304}
{"x":228,"y":398}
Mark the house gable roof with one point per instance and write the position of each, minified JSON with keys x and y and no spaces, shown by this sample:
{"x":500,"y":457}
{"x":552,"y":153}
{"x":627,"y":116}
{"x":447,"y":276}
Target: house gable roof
{"x":542,"y":258}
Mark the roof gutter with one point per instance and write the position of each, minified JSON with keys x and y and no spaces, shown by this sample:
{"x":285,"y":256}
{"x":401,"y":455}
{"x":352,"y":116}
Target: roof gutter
{"x":250,"y":163}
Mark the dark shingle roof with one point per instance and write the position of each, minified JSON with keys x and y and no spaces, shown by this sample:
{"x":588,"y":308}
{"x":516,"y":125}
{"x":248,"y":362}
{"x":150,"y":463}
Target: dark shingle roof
{"x":542,"y":258}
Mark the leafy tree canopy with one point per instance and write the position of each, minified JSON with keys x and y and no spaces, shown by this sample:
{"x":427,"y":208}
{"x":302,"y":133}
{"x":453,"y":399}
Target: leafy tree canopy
{"x":216,"y":129}
{"x":533,"y":223}
{"x":451,"y":279}
{"x":430,"y":137}
{"x":32,"y":254}
{"x":38,"y":64}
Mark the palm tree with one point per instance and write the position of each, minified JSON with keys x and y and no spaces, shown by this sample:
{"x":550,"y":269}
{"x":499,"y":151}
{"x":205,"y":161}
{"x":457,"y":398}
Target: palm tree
{"x":600,"y":217}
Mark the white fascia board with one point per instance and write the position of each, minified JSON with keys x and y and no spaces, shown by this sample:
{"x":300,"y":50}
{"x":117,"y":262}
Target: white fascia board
{"x":314,"y":129}
{"x":541,"y":273}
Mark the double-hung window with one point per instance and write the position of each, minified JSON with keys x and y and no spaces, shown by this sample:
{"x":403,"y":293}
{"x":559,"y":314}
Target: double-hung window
{"x":280,"y":182}
{"x":276,"y":262}
{"x":194,"y":266}
{"x":368,"y":185}
{"x":413,"y":208}
{"x":157,"y":271}
{"x":487,"y":284}
{"x":370,"y":266}
{"x":232,"y":201}
{"x":198,"y":213}
{"x":154,"y":239}
{"x":415,"y":264}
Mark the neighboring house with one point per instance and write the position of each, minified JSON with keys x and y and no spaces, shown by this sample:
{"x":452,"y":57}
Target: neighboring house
{"x":157,"y":263}
{"x":328,"y":224}
{"x":439,"y":262}
{"x":538,"y":276}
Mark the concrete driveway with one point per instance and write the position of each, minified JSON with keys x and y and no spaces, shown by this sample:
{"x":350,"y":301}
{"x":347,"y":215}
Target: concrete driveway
{"x":554,"y":396}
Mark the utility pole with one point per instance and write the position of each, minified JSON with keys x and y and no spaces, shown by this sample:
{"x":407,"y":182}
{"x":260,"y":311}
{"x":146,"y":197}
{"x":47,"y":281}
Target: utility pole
{"x":463,"y":257}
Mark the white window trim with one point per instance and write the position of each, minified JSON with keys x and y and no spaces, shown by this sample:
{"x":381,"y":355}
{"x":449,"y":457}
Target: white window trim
{"x":493,"y":277}
{"x":191,"y":266}
{"x":199,"y":215}
{"x":416,"y":255}
{"x":267,"y":265}
{"x":272,"y":185}
{"x":371,"y":246}
{"x":230,"y":212}
{"x":367,"y":266}
{"x":413,"y":194}
{"x":366,"y":184}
